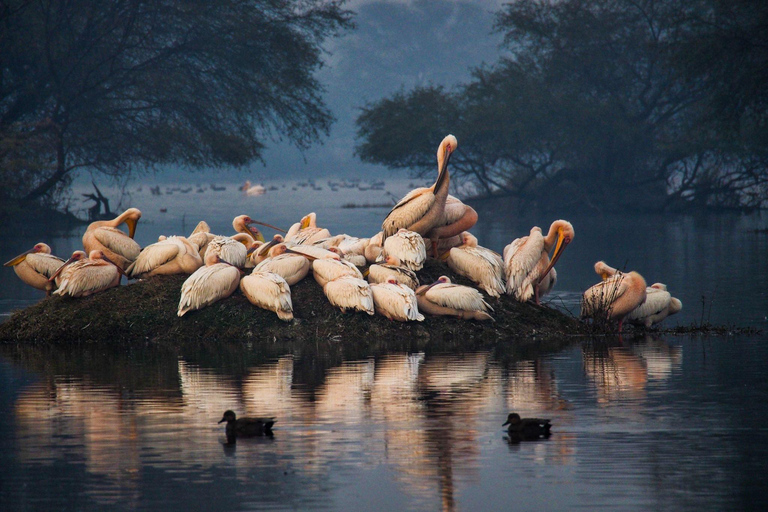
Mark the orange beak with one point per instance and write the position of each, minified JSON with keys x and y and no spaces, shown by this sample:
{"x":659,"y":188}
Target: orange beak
{"x":562,"y":243}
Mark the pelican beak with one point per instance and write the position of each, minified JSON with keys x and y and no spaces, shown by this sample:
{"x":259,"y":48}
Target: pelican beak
{"x":425,"y":290}
{"x":310,"y":258}
{"x":445,"y":255}
{"x":266,"y":247}
{"x":131,"y":226}
{"x":119,"y":268}
{"x":18,"y":259}
{"x":562,"y":243}
{"x":269,"y":226}
{"x":251,"y":250}
{"x":60,"y":269}
{"x":255,"y":233}
{"x":442,"y":175}
{"x":304,"y":222}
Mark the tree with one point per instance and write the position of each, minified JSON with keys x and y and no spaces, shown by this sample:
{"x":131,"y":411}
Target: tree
{"x":118,"y":85}
{"x":612,"y":103}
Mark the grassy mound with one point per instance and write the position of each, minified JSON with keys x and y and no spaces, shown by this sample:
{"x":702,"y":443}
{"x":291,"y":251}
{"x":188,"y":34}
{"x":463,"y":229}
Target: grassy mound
{"x":145,"y":311}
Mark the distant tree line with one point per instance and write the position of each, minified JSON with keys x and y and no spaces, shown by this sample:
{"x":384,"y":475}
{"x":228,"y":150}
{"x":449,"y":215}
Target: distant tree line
{"x":116,"y":86}
{"x":611,"y":104}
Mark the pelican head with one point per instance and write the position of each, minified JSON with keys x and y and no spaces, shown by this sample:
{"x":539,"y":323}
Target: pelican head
{"x":98,"y":254}
{"x":131,"y":217}
{"x":604,"y":270}
{"x":266,"y":247}
{"x":76,"y":256}
{"x":38,"y":248}
{"x":440,"y":280}
{"x":565,"y":234}
{"x":309,"y":220}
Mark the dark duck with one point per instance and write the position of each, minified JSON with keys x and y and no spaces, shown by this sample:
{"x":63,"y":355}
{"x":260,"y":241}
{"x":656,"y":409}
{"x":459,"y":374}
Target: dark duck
{"x":246,"y":427}
{"x":527,"y":429}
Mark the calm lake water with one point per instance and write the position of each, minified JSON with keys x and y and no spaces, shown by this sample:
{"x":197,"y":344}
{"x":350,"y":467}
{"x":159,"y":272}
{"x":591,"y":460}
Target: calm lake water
{"x":653,"y":423}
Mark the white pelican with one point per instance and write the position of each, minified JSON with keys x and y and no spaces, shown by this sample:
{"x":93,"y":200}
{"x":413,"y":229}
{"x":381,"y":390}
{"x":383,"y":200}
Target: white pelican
{"x":88,"y":276}
{"x":408,"y":247}
{"x":232,"y":249}
{"x":350,"y":293}
{"x":306,"y":231}
{"x":658,"y":305}
{"x":526,"y":259}
{"x":457,"y":218}
{"x":172,"y":255}
{"x":291,"y":267}
{"x":269,"y":291}
{"x":120,"y":248}
{"x":445,"y":298}
{"x":614,"y":297}
{"x":36,"y":266}
{"x":329,"y":269}
{"x":375,"y":246}
{"x":391,"y":268}
{"x":311,"y":252}
{"x":395,"y":301}
{"x":352,"y":247}
{"x":421,"y":209}
{"x":252,"y":190}
{"x":482,"y":266}
{"x":64,"y":270}
{"x":201,"y":236}
{"x":215,"y":281}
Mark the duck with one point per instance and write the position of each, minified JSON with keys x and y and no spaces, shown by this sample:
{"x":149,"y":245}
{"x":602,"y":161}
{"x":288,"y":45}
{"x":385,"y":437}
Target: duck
{"x":527,"y":429}
{"x":246,"y":427}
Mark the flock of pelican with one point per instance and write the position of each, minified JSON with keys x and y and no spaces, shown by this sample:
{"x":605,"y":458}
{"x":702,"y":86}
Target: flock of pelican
{"x":427,"y":222}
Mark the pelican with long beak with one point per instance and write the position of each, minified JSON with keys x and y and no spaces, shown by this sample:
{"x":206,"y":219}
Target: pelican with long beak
{"x":171,"y":255}
{"x":36,"y":266}
{"x":81,"y":277}
{"x":245,"y":224}
{"x":527,"y":263}
{"x":120,"y":248}
{"x":422,"y":209}
{"x":306,"y":231}
{"x":445,"y":298}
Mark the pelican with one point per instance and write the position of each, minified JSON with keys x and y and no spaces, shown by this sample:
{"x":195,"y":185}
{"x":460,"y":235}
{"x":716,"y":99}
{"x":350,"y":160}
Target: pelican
{"x":480,"y":265}
{"x":391,"y":268}
{"x":306,"y":231}
{"x":526,"y":260}
{"x":291,"y":267}
{"x":269,"y":291}
{"x":232,"y":249}
{"x":201,"y":236}
{"x":352,"y":247}
{"x":350,"y":293}
{"x":36,"y":266}
{"x":445,"y":298}
{"x":614,"y":297}
{"x":315,"y":253}
{"x":421,"y":209}
{"x":375,"y":246}
{"x":215,"y":281}
{"x":408,"y":247}
{"x":658,"y":305}
{"x":328,"y":269}
{"x":64,"y":270}
{"x":120,"y":248}
{"x":172,"y":255}
{"x":395,"y":301}
{"x":88,"y":276}
{"x":457,"y":217}
{"x":252,"y":190}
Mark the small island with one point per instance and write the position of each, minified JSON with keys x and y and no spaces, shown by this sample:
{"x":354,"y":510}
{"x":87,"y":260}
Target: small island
{"x":145,"y":311}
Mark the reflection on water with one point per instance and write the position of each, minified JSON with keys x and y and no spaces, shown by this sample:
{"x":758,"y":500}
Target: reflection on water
{"x":634,"y":424}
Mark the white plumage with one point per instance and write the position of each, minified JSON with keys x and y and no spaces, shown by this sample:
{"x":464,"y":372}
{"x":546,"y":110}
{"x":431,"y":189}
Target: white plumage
{"x":396,"y":301}
{"x":88,"y":276}
{"x":35,"y":266}
{"x":482,"y":266}
{"x":173,"y":255}
{"x":291,"y":267}
{"x":350,"y":293}
{"x":326,"y":269}
{"x":658,"y":305}
{"x":445,"y":298}
{"x":207,"y":285}
{"x":306,"y":231}
{"x":379,"y":273}
{"x":229,"y":249}
{"x":269,"y":291}
{"x":120,"y":248}
{"x":408,"y":247}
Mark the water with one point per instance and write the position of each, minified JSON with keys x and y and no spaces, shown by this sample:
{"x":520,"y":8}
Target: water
{"x":660,"y":423}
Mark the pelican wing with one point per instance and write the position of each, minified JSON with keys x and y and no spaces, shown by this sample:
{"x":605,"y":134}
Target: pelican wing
{"x":457,"y":296}
{"x":656,"y":301}
{"x":380,"y":273}
{"x":408,"y":247}
{"x":600,"y":296}
{"x":156,"y":255}
{"x":396,"y":302}
{"x":207,"y":285}
{"x":269,"y":291}
{"x":229,"y":250}
{"x":291,"y":267}
{"x":481,"y":265}
{"x":350,"y":293}
{"x":45,"y":264}
{"x":520,"y":260}
{"x":117,"y":242}
{"x":328,"y":269}
{"x":87,"y":277}
{"x":409,"y":210}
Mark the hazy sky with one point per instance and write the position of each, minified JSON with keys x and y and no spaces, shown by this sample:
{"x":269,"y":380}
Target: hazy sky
{"x":397,"y":44}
